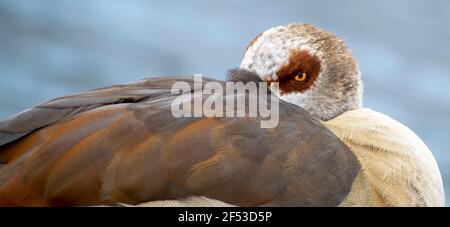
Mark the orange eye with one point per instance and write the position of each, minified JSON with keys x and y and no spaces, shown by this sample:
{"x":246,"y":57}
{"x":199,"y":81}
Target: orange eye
{"x":301,"y":76}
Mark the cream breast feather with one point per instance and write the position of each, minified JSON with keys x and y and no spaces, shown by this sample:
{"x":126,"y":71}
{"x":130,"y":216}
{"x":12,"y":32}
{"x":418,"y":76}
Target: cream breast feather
{"x":397,"y":168}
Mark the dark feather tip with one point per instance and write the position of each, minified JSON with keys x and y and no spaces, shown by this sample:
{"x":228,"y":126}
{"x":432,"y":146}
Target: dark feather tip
{"x":242,"y":75}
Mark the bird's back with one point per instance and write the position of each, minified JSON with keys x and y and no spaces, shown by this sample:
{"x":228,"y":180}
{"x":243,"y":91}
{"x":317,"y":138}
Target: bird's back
{"x":122,"y":145}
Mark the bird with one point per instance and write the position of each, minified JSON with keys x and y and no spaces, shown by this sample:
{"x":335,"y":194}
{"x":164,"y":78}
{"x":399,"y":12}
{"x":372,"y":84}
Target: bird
{"x":317,"y":71}
{"x":121,"y":144}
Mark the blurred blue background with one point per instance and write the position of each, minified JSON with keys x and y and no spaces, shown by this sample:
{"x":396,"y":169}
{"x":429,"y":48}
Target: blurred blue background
{"x":54,"y":48}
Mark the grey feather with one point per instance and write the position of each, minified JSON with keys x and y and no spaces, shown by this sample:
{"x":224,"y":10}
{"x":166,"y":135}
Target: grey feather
{"x":62,"y":108}
{"x":242,"y":75}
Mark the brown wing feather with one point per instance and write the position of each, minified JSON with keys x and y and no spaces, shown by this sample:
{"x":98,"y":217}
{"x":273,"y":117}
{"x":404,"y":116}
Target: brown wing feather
{"x":138,"y":152}
{"x":58,"y":109}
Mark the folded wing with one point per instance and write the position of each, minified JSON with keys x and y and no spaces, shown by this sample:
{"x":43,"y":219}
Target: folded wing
{"x":121,"y":144}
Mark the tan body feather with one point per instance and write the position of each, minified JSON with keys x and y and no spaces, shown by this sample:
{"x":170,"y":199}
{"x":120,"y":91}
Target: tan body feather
{"x":397,"y":168}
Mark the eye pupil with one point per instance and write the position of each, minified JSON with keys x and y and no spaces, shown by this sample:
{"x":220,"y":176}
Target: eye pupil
{"x":301,"y":76}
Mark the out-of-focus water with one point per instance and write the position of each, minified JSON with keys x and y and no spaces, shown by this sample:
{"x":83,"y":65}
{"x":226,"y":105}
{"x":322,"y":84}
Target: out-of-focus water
{"x":54,"y":48}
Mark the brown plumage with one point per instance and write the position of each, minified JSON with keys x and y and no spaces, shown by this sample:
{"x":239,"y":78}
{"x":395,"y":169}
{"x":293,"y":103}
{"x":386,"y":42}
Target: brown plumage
{"x":121,"y":144}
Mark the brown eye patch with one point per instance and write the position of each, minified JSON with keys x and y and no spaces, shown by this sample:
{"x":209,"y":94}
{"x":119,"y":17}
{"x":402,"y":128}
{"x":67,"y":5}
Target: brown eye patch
{"x":299,"y":62}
